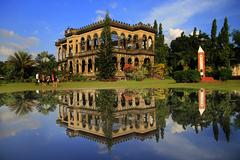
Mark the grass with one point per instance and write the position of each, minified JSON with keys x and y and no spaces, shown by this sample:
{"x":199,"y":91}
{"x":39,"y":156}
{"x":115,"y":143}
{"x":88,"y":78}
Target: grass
{"x":231,"y":85}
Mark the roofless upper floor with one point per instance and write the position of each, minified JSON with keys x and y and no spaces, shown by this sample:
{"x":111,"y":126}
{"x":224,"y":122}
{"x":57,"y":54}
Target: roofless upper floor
{"x":138,"y":38}
{"x":113,"y":23}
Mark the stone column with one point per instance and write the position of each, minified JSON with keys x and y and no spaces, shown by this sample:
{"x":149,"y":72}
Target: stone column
{"x":80,"y":119}
{"x":73,"y":47}
{"x":118,"y":43}
{"x":69,"y":120}
{"x":92,"y":44}
{"x":79,"y":46}
{"x":75,"y":118}
{"x":85,"y":44}
{"x":87,"y":99}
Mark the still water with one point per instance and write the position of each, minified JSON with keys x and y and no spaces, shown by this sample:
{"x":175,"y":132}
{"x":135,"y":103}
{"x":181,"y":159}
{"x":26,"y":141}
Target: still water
{"x":120,"y":124}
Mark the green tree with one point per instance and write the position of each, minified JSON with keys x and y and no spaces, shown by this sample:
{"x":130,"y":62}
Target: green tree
{"x":195,"y":32}
{"x":104,"y":60}
{"x":2,"y":68}
{"x":46,"y":63}
{"x":236,"y":47}
{"x":213,"y":57}
{"x":236,"y":37}
{"x":161,"y":49}
{"x":224,"y":48}
{"x":105,"y":102}
{"x":184,"y":50}
{"x":155,"y":26}
{"x":22,"y":62}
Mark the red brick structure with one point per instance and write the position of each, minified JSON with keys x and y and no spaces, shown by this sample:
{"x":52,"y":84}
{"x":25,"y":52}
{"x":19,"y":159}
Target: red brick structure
{"x":202,"y":67}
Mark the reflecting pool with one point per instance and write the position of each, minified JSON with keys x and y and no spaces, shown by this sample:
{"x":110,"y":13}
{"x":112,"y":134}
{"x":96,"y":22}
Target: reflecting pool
{"x":120,"y":124}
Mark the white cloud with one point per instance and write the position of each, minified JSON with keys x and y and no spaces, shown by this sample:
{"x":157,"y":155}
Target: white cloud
{"x":172,"y":34}
{"x":113,"y":5}
{"x":102,"y":149}
{"x":15,"y":124}
{"x":197,"y":33}
{"x":101,"y":12}
{"x":11,"y":42}
{"x":176,"y":128}
{"x":179,"y":146}
{"x":178,"y":12}
{"x":99,"y":18}
{"x":101,"y":15}
{"x":7,"y":33}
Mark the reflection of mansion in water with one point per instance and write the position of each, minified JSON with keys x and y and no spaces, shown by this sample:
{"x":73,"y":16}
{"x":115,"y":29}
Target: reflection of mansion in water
{"x":134,"y":116}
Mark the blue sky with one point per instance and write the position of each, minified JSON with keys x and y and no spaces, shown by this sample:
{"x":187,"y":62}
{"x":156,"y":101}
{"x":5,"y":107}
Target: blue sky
{"x":34,"y":25}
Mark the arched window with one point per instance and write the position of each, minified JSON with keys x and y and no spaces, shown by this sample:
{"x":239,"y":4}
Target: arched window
{"x":135,"y":42}
{"x":136,"y":62}
{"x":77,"y":67}
{"x":83,"y":66}
{"x":122,"y":63}
{"x":150,"y":43}
{"x":95,"y":41}
{"x":60,"y":56}
{"x":89,"y":65}
{"x":129,"y":61}
{"x":129,"y":42}
{"x":89,"y":43}
{"x":122,"y":41}
{"x":114,"y":39}
{"x":82,"y":44}
{"x":70,"y":67}
{"x":70,"y":50}
{"x":144,"y":42}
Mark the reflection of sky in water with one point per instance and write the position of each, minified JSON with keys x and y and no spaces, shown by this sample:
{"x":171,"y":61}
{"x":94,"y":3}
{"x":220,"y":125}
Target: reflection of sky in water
{"x":37,"y":136}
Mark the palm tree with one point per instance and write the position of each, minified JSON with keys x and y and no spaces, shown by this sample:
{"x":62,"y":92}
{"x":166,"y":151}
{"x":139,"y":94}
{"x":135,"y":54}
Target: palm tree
{"x":46,"y":62}
{"x":21,"y":61}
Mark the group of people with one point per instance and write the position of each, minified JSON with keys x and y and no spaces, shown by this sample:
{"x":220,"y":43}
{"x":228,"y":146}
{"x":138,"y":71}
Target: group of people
{"x":43,"y":79}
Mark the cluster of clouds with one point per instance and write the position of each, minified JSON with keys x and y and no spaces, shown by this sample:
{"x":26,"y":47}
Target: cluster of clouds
{"x":172,"y":14}
{"x":101,"y":13}
{"x":11,"y":42}
{"x":176,"y":13}
{"x":13,"y":124}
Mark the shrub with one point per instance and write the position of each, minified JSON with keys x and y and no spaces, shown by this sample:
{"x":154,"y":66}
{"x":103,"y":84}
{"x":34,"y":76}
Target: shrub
{"x":129,"y":71}
{"x":187,"y":76}
{"x":139,"y":75}
{"x":193,"y":75}
{"x":160,"y":71}
{"x":30,"y":79}
{"x":79,"y":78}
{"x":225,"y":74}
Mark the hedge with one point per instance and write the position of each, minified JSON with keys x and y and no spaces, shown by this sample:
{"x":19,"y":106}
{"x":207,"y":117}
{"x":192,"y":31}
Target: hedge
{"x":187,"y":76}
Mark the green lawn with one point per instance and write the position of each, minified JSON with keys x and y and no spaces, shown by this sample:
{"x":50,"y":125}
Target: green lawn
{"x":230,"y":85}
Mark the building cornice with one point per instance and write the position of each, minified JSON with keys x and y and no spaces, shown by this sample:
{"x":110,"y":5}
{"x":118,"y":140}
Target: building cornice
{"x":97,"y":25}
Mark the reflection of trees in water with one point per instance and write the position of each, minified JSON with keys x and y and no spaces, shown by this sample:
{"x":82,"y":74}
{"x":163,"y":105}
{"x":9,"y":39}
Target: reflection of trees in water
{"x":220,"y":108}
{"x":23,"y":103}
{"x":47,"y":102}
{"x":222,"y":111}
{"x":162,"y":113}
{"x":105,"y":101}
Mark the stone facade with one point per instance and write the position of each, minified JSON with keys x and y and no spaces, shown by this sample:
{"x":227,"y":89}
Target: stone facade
{"x":132,"y":44}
